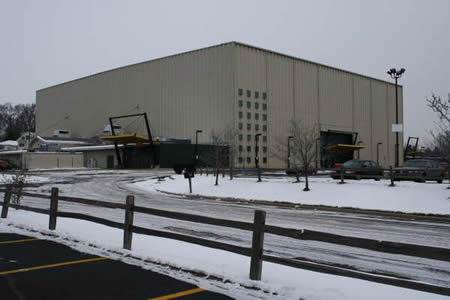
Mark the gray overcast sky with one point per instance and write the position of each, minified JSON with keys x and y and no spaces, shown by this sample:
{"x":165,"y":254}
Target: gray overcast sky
{"x":43,"y":43}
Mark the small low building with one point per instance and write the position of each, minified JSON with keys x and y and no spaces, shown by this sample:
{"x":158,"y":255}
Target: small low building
{"x":9,"y":145}
{"x":22,"y":159}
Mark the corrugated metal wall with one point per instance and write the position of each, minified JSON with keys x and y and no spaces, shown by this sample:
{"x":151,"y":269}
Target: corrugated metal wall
{"x":320,"y":96}
{"x":181,"y":93}
{"x":207,"y":89}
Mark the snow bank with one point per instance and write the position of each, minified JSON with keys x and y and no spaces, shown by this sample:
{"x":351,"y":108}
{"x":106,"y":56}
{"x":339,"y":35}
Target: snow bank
{"x":278,"y":281}
{"x":406,"y":196}
{"x":7,"y":178}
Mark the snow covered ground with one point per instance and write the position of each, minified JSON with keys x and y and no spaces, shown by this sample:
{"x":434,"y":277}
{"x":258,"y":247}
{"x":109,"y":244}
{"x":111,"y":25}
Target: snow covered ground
{"x":278,"y":282}
{"x":411,"y":197}
{"x":7,"y":178}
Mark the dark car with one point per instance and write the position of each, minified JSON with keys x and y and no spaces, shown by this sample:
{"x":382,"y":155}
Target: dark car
{"x":301,"y":171}
{"x":420,"y":170}
{"x":4,"y":165}
{"x":359,"y":169}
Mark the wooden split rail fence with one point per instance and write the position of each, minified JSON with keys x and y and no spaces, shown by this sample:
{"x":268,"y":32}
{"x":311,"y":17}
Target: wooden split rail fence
{"x":259,"y":228}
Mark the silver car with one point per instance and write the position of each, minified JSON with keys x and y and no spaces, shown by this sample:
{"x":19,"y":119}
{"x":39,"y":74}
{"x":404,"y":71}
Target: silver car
{"x":420,"y":170}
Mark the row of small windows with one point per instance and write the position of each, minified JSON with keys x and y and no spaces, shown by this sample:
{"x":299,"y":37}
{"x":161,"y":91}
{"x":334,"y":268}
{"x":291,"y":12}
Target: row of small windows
{"x":249,"y":105}
{"x":249,"y":94}
{"x":249,"y":116}
{"x":249,"y":149}
{"x":249,"y":138}
{"x":249,"y":127}
{"x":249,"y":160}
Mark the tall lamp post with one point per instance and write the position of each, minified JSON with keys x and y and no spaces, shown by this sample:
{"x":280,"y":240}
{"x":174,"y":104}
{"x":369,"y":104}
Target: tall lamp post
{"x":378,"y":152}
{"x":396,"y":74}
{"x":256,"y":156}
{"x":289,"y":152}
{"x":317,"y":152}
{"x":196,"y":146}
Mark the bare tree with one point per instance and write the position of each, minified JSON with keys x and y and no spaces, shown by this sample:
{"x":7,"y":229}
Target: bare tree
{"x":302,"y":148}
{"x":441,"y":107}
{"x":229,"y":138}
{"x":219,"y":156}
{"x":283,"y":152}
{"x":15,"y":120}
{"x":441,"y":138}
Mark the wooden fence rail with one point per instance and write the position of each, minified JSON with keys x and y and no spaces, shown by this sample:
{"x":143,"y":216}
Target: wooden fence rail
{"x":258,"y":228}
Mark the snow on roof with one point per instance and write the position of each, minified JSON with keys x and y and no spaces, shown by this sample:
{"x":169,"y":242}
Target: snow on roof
{"x":90,"y":148}
{"x":54,"y":140}
{"x":12,"y":152}
{"x":9,"y":143}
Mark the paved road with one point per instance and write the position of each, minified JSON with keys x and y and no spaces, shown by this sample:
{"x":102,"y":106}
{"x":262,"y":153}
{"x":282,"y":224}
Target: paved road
{"x":40,"y":269}
{"x":114,"y":186}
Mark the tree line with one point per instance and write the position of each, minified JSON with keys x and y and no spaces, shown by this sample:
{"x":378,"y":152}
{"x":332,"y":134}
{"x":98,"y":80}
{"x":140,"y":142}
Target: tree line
{"x":16,"y":119}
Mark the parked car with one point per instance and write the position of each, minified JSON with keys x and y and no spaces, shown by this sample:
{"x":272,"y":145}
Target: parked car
{"x":301,"y":171}
{"x":359,"y":169}
{"x":420,"y":170}
{"x":4,"y":165}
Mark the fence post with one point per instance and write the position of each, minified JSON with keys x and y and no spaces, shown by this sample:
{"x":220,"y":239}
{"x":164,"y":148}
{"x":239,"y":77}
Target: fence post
{"x":257,"y":245}
{"x":53,"y":208}
{"x":6,"y":201}
{"x":128,"y":226}
{"x":391,"y":176}
{"x":342,"y":175}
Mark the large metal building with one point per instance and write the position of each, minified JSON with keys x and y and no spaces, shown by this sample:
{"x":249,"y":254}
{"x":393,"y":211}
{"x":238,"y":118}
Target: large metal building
{"x":231,"y":85}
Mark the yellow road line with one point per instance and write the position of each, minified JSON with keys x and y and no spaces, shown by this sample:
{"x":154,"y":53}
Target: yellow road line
{"x":179,"y":294}
{"x":18,"y":241}
{"x":67,"y":263}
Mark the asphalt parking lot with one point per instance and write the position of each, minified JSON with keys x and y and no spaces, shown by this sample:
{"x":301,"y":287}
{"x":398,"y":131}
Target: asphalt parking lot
{"x":38,"y":269}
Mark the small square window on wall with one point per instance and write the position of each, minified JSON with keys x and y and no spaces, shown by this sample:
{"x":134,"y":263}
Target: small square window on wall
{"x":249,"y":160}
{"x":240,"y":125}
{"x":256,"y":95}
{"x":249,"y":148}
{"x":249,"y":137}
{"x":264,"y":117}
{"x":264,"y":96}
{"x":249,"y":126}
{"x":240,"y":137}
{"x":240,"y":92}
{"x":265,"y":160}
{"x":264,"y":106}
{"x":249,"y":116}
{"x":264,"y":138}
{"x":240,"y":160}
{"x":240,"y":148}
{"x":256,"y":127}
{"x":256,"y":105}
{"x":256,"y":116}
{"x":249,"y":104}
{"x":241,"y":103}
{"x":249,"y":93}
{"x":240,"y":115}
{"x":264,"y":127}
{"x":264,"y":149}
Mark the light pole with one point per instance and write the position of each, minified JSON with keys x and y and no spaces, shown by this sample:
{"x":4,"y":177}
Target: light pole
{"x":289,"y":152}
{"x":378,"y":152}
{"x":317,"y":152}
{"x":196,"y":146}
{"x":396,"y":74}
{"x":256,"y":156}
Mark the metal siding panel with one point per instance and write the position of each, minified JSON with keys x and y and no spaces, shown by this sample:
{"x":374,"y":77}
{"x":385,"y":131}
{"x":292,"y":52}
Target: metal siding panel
{"x":335,"y":100}
{"x":180,"y":93}
{"x":362,"y":115}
